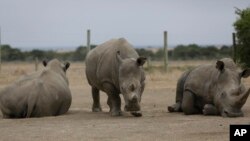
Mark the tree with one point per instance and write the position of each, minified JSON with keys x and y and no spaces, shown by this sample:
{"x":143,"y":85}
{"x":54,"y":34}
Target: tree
{"x":182,"y":52}
{"x":11,"y":54}
{"x":37,"y":53}
{"x":242,"y":27}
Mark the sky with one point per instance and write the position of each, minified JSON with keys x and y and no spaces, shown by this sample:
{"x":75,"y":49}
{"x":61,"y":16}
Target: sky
{"x":63,"y":23}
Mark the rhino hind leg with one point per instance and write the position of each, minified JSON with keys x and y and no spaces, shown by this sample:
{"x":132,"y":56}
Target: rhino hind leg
{"x":179,"y":93}
{"x":96,"y":100}
{"x":188,"y":104}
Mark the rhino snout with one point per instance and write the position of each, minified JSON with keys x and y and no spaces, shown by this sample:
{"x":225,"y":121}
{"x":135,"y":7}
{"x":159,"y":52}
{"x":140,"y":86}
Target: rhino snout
{"x":133,"y":103}
{"x":134,"y":99}
{"x":132,"y":107}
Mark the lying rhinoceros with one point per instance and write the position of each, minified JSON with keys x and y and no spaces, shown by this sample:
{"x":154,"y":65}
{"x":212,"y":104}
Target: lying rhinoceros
{"x":43,"y":93}
{"x":114,"y":67}
{"x":214,"y":89}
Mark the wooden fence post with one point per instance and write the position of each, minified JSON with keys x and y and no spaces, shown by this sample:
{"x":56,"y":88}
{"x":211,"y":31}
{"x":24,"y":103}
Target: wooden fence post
{"x":165,"y":51}
{"x":36,"y":64}
{"x":234,"y":47}
{"x":149,"y":63}
{"x":88,"y":40}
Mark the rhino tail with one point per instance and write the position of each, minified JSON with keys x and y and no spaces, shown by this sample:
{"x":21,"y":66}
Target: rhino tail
{"x":179,"y":93}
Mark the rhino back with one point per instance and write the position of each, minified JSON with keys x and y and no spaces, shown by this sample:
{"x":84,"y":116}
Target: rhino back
{"x":102,"y":65}
{"x":54,"y":95}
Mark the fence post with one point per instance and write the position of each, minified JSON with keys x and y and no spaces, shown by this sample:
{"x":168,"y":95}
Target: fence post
{"x":165,"y":51}
{"x":149,"y":63}
{"x":36,"y":64}
{"x":234,"y":47}
{"x":88,"y":40}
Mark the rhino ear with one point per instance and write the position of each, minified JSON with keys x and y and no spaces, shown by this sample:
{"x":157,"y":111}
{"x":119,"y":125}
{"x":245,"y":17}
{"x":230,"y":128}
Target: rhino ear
{"x":245,"y":73}
{"x":118,"y":56}
{"x":220,"y":65}
{"x":141,"y":60}
{"x":45,"y":62}
{"x":66,"y":65}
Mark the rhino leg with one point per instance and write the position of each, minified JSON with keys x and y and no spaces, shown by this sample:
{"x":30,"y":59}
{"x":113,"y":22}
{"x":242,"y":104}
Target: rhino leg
{"x":109,"y":103}
{"x":179,"y":93}
{"x":210,"y":109}
{"x":114,"y":100}
{"x":188,"y":104}
{"x":115,"y":105}
{"x":96,"y":100}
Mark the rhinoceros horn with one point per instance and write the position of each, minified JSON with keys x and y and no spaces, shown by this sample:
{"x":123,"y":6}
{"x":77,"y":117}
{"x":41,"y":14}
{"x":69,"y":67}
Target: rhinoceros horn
{"x":245,"y":73}
{"x":242,"y":98}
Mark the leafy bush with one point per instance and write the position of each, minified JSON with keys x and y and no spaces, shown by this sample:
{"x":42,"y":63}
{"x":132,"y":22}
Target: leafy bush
{"x":242,"y":27}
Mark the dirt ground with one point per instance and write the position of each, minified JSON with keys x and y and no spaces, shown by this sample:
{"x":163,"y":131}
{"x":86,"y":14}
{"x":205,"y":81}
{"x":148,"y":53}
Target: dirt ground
{"x":82,"y":124}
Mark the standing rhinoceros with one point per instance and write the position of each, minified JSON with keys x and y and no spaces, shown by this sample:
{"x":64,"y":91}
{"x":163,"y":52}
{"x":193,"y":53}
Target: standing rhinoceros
{"x":43,"y":93}
{"x":114,"y":67}
{"x":214,"y":89}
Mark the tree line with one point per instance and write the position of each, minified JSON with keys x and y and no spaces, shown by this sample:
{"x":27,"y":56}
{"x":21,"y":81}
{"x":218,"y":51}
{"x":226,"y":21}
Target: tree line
{"x":180,"y":52}
{"x":189,"y":52}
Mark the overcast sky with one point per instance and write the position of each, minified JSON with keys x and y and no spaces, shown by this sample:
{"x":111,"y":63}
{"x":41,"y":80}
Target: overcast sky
{"x":63,"y":23}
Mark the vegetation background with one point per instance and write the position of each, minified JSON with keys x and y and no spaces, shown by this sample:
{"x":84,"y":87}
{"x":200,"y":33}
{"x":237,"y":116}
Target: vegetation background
{"x":180,"y":52}
{"x":242,"y":27}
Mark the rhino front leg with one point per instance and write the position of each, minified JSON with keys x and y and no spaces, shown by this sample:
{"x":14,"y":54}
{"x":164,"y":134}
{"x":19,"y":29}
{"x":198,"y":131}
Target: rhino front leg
{"x":188,"y":104}
{"x":109,"y":104}
{"x":96,"y":100}
{"x":210,"y":109}
{"x":114,"y":100}
{"x":115,"y":105}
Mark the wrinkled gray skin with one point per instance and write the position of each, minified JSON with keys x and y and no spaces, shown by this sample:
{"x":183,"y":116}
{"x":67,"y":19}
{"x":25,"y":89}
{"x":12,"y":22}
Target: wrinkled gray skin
{"x":43,"y":93}
{"x":214,"y":89}
{"x":115,"y":67}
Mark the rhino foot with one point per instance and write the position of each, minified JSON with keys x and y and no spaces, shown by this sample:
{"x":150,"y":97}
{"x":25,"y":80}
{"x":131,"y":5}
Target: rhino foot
{"x":97,"y":109}
{"x":136,"y":114}
{"x":171,"y":109}
{"x":116,"y":113}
